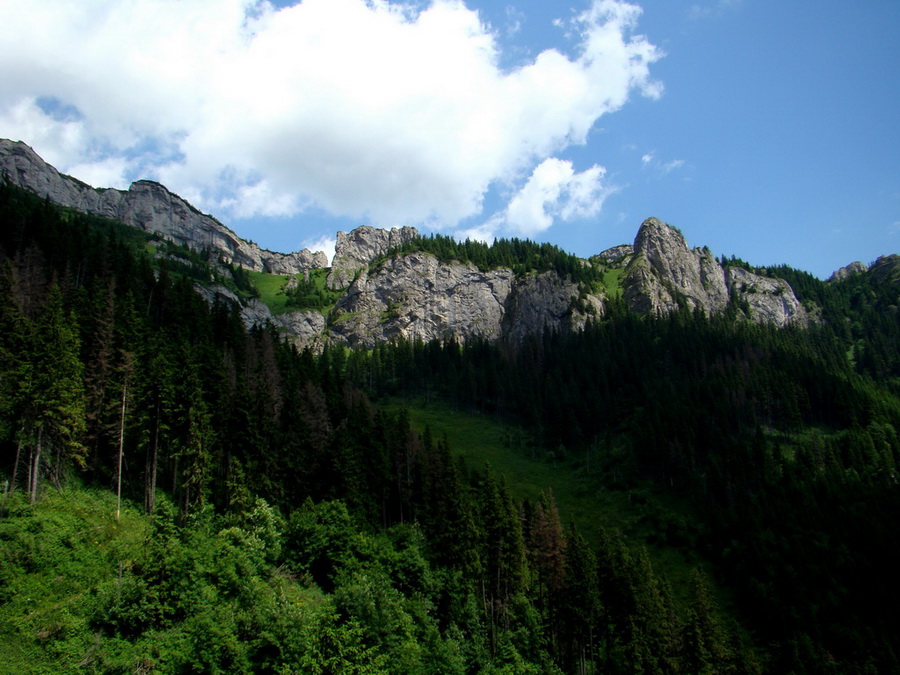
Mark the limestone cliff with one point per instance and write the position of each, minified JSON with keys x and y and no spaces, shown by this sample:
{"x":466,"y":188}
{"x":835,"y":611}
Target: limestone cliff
{"x":152,"y":208}
{"x":355,"y":250}
{"x":854,"y":268}
{"x":663,"y":274}
{"x":417,"y":296}
{"x":767,"y":300}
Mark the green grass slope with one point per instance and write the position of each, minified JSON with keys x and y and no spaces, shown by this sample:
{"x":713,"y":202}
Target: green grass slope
{"x":580,"y":485}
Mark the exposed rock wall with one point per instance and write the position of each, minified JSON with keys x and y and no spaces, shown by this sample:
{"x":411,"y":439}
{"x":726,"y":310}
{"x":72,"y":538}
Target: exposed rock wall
{"x":850,"y":270}
{"x":664,"y":274}
{"x":614,"y":254}
{"x":356,"y":249}
{"x":769,"y":300}
{"x":416,"y":296}
{"x":152,"y":208}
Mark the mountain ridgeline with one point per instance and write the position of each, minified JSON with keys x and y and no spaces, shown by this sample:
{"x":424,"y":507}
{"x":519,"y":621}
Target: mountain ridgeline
{"x":201,"y":476}
{"x":395,"y":284}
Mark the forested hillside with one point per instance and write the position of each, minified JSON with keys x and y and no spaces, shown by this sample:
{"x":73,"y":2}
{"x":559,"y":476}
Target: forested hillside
{"x":183,"y":495}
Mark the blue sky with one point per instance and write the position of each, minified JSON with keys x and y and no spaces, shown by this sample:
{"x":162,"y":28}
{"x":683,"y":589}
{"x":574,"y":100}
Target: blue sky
{"x":763,"y":129}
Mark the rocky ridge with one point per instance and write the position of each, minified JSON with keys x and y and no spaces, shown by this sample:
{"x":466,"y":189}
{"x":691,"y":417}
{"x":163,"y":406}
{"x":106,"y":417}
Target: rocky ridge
{"x":663,"y":274}
{"x":150,"y":207}
{"x":355,"y":250}
{"x":854,"y":268}
{"x":417,"y":296}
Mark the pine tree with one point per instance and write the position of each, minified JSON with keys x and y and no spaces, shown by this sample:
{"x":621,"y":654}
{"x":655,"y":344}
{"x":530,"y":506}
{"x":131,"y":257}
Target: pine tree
{"x":53,"y":392}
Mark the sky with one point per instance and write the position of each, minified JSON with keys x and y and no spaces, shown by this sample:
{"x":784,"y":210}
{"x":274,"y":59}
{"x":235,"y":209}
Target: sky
{"x":765,"y":129}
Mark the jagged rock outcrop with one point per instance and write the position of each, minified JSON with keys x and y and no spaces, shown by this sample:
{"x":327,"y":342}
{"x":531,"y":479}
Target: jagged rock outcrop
{"x":305,"y":328}
{"x":847,"y":271}
{"x":217,"y":292}
{"x":663,"y":275}
{"x":151,"y":207}
{"x":614,"y":254}
{"x":767,"y":300}
{"x":416,"y":296}
{"x":356,"y":249}
{"x":886,"y":269}
{"x":545,"y":301}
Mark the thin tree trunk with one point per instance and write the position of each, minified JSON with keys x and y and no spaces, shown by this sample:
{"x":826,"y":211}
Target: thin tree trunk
{"x":15,"y":472}
{"x":154,"y":462}
{"x":121,"y":451}
{"x":30,"y":465}
{"x":35,"y":471}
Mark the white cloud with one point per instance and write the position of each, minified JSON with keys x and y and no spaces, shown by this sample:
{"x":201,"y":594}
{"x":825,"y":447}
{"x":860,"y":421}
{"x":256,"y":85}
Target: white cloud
{"x":671,"y":165}
{"x":555,"y":192}
{"x":486,"y":232}
{"x":109,"y":172}
{"x":373,"y":109}
{"x":650,"y":161}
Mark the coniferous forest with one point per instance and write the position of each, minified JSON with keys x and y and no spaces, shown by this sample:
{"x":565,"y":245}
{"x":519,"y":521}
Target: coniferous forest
{"x":183,"y":495}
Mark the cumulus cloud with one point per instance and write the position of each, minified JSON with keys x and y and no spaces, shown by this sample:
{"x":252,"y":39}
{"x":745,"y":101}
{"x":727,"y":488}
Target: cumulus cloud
{"x":486,"y":232}
{"x":555,"y":191}
{"x":378,"y":110}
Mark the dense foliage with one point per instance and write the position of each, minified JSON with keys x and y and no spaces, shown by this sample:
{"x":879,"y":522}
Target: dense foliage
{"x":274,"y":520}
{"x":787,"y":449}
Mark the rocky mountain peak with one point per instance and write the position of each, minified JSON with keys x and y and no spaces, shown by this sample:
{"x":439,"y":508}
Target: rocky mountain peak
{"x":657,"y":239}
{"x":665,"y":274}
{"x":356,"y":249}
{"x":151,"y":207}
{"x":850,"y":270}
{"x":419,"y":296}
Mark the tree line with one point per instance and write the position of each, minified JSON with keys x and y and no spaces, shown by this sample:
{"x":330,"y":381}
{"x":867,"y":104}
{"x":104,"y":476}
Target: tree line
{"x":267,"y":477}
{"x":297,"y":526}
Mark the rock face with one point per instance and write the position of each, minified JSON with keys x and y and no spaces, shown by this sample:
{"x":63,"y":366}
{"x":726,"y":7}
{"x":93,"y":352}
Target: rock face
{"x":545,"y":301}
{"x":850,"y":270}
{"x":769,"y":300}
{"x":886,"y":269}
{"x":615,"y":254}
{"x":152,"y":208}
{"x":417,"y":296}
{"x":663,"y":275}
{"x":355,"y":250}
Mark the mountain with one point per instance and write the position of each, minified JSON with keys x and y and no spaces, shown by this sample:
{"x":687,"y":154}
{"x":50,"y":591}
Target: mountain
{"x":419,"y":295}
{"x":150,"y":207}
{"x":183,"y":494}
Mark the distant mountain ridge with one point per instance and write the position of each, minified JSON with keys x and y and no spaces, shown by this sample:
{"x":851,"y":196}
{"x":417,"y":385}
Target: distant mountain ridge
{"x":150,"y":207}
{"x":414,"y":295}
